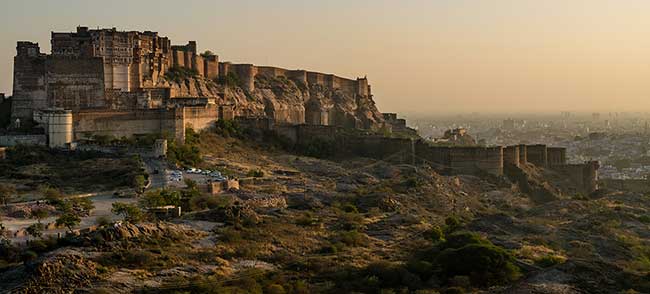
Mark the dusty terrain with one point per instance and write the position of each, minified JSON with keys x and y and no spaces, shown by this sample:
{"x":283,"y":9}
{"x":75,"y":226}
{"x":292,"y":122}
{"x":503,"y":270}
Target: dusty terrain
{"x":351,"y":225}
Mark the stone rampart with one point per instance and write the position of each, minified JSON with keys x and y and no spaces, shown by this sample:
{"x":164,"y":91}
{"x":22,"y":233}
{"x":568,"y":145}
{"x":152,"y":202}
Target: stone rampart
{"x":75,"y":83}
{"x":584,"y":176}
{"x":511,"y":155}
{"x":537,"y":155}
{"x":556,"y":156}
{"x":200,"y":117}
{"x":247,"y":72}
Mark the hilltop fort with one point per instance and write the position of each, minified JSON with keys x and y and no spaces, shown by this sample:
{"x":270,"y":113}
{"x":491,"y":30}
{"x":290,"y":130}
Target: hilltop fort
{"x":122,"y":84}
{"x":125,"y":83}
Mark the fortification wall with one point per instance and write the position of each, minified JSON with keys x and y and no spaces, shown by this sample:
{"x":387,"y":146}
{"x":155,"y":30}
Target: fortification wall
{"x":75,"y":83}
{"x":200,"y":117}
{"x":211,"y":67}
{"x":556,"y":156}
{"x":247,"y":73}
{"x":469,"y":159}
{"x":537,"y":155}
{"x":585,"y":176}
{"x":461,"y":160}
{"x":178,"y":58}
{"x":633,"y":185}
{"x":523,"y":154}
{"x":396,"y":150}
{"x":511,"y":155}
{"x":126,"y":124}
{"x":29,"y":91}
{"x":305,"y":133}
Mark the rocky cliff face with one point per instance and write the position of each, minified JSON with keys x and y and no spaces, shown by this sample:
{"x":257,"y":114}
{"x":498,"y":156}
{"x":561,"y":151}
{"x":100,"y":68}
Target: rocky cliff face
{"x":286,"y":101}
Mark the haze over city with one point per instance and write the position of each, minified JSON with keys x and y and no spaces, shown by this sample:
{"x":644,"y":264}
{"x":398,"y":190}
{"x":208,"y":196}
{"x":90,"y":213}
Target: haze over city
{"x":421,"y":56}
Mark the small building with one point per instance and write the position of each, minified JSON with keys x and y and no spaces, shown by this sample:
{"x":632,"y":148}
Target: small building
{"x":160,"y":148}
{"x":218,"y":187}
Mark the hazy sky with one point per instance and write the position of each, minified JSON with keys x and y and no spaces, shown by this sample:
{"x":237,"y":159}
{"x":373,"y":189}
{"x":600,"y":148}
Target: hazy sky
{"x":420,"y":55}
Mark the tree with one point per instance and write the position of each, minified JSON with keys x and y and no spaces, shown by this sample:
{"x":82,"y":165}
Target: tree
{"x":207,"y":53}
{"x":7,"y":192}
{"x":68,"y":220}
{"x":40,"y":213}
{"x":191,"y":184}
{"x":139,"y":182}
{"x":130,"y":212}
{"x":84,"y":205}
{"x":160,"y":198}
{"x":52,"y":195}
{"x":36,"y":230}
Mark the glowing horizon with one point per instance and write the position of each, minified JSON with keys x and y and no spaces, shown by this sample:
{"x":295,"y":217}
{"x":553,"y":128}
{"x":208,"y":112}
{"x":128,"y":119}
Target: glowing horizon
{"x":420,"y":56}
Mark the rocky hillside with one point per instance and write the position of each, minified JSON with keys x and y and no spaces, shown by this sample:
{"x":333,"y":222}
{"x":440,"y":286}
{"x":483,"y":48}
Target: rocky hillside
{"x":283,"y":99}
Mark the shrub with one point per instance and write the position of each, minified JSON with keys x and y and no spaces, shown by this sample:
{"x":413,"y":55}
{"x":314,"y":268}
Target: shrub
{"x":36,"y":230}
{"x":352,"y":238}
{"x":392,"y":276}
{"x":103,"y":221}
{"x":130,"y":212}
{"x":467,"y":254}
{"x":436,"y":234}
{"x":162,"y":197}
{"x":68,"y":220}
{"x":228,"y":128}
{"x":28,"y":256}
{"x":203,"y":202}
{"x":255,"y":173}
{"x":550,"y":260}
{"x":307,"y":219}
{"x":644,"y":219}
{"x":179,"y":74}
{"x":349,"y":208}
{"x":275,"y":289}
{"x":452,"y":223}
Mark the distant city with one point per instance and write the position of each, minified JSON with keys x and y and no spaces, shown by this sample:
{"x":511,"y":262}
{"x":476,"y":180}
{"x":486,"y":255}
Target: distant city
{"x":618,"y":140}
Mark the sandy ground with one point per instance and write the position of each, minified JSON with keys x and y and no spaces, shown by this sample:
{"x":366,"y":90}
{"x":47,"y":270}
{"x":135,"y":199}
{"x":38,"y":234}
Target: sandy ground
{"x":103,"y":204}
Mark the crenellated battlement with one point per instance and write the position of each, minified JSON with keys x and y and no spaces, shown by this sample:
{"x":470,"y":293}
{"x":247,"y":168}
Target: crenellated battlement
{"x":247,"y":73}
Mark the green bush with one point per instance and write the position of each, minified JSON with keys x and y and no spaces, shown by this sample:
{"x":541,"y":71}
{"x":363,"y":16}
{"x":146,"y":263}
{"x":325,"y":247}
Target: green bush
{"x":203,"y":202}
{"x":467,"y":254}
{"x":352,"y":238}
{"x":130,"y":212}
{"x":549,"y":261}
{"x":159,"y":198}
{"x":436,"y":234}
{"x":255,"y":173}
{"x":452,"y":223}
{"x":179,"y":74}
{"x":187,"y":154}
{"x":228,"y":129}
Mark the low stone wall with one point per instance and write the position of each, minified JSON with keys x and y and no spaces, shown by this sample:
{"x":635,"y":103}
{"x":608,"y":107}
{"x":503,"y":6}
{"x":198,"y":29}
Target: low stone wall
{"x":266,"y":202}
{"x":637,"y":185}
{"x":13,"y":140}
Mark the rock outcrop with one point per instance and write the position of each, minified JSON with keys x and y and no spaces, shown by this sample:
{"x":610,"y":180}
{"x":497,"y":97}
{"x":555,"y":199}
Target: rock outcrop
{"x":285,"y":100}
